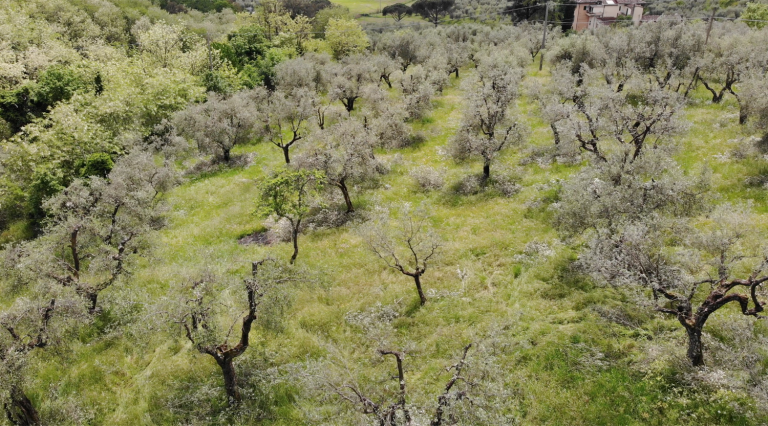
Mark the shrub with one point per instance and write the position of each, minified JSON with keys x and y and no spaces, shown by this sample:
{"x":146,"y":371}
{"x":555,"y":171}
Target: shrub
{"x":428,"y":178}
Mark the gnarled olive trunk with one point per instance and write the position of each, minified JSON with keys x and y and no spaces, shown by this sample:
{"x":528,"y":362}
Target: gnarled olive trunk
{"x":486,"y":170}
{"x":695,"y":347}
{"x":230,"y":379}
{"x":20,"y":411}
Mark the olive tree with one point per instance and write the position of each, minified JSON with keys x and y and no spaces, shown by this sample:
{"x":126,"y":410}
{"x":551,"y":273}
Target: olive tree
{"x":689,"y":273}
{"x":350,"y":78}
{"x":204,"y":315}
{"x":417,"y":92}
{"x":600,"y":118}
{"x":344,"y":154}
{"x":221,"y":123}
{"x":95,"y":225}
{"x":385,"y":66}
{"x":285,"y":118}
{"x":290,"y":195}
{"x":608,"y":194}
{"x":726,"y":58}
{"x":387,"y":393}
{"x":487,"y":127}
{"x":407,"y":243}
{"x":403,"y":46}
{"x":30,"y":324}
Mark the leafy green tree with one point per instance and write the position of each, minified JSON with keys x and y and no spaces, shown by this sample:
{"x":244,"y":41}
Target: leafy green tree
{"x":345,"y":37}
{"x":324,"y":16}
{"x":290,"y":195}
{"x":756,"y":15}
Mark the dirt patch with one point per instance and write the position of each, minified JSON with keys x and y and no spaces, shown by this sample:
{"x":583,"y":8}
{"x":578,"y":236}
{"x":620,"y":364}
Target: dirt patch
{"x":261,"y":238}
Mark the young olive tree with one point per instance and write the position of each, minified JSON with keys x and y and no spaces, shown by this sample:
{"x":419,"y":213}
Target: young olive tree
{"x":220,"y":123}
{"x":96,"y":224}
{"x":487,"y":127}
{"x":407,"y":244}
{"x":343,"y":153}
{"x":403,"y":46}
{"x":201,"y":309}
{"x":290,"y":195}
{"x":689,"y":277}
{"x":285,"y":118}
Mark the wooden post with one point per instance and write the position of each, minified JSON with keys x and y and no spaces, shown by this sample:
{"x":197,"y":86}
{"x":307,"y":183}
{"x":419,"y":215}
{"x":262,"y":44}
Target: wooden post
{"x":544,"y":37}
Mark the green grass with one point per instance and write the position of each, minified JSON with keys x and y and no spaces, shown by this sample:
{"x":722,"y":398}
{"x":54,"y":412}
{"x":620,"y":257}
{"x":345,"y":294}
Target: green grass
{"x":543,"y":308}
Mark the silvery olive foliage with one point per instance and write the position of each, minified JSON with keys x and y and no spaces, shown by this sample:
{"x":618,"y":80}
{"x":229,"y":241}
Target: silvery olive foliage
{"x":488,"y":126}
{"x":344,"y":154}
{"x":97,"y":224}
{"x":602,"y":118}
{"x":406,"y":243}
{"x":221,"y":123}
{"x":207,"y":309}
{"x":285,"y":118}
{"x":611,"y":193}
{"x":690,"y":272}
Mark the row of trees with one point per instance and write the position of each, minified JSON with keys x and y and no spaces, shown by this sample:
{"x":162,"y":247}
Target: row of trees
{"x":619,"y":96}
{"x":631,"y":204}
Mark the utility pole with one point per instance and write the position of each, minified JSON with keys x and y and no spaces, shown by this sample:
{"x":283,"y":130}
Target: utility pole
{"x":544,"y":37}
{"x":709,"y":27}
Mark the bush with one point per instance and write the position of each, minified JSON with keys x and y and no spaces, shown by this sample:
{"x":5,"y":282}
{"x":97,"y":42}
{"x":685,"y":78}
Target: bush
{"x":470,"y":185}
{"x":428,"y":178}
{"x":97,"y":164}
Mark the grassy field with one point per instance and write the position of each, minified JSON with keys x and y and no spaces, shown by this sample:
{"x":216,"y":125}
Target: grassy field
{"x":567,"y":364}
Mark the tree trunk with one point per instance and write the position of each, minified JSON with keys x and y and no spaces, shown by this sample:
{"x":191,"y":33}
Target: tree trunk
{"x":347,"y":199}
{"x":230,"y":380}
{"x":422,"y":297}
{"x":486,"y":170}
{"x":93,"y":297}
{"x":227,"y":155}
{"x":20,"y":411}
{"x":556,"y":133}
{"x":386,"y":80}
{"x":295,"y":239}
{"x":350,"y":104}
{"x":286,"y":154}
{"x":457,"y":72}
{"x":695,"y":347}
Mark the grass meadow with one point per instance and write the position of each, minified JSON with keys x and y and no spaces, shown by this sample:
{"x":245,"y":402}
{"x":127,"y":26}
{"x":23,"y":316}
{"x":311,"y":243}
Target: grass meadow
{"x":566,"y":360}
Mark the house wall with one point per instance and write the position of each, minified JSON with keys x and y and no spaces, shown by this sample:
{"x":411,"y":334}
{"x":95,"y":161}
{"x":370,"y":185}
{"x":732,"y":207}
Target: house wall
{"x":637,"y":15}
{"x":580,"y":18}
{"x":610,"y":11}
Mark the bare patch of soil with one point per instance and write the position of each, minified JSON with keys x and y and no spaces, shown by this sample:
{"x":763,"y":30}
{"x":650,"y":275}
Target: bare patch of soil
{"x":261,"y":238}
